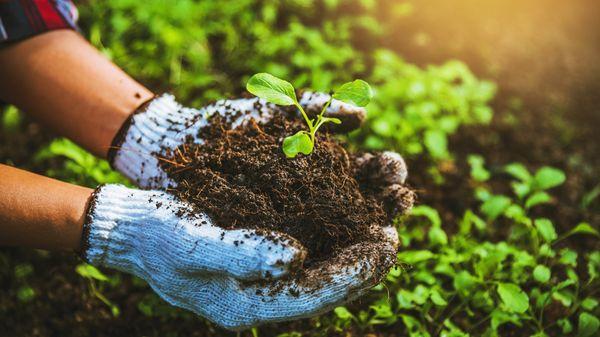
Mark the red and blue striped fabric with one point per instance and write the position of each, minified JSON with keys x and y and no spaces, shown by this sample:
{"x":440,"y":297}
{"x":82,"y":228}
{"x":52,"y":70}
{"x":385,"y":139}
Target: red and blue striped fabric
{"x":20,"y":19}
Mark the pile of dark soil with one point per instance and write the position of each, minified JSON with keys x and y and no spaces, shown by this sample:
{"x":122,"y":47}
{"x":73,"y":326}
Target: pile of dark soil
{"x":242,"y":179}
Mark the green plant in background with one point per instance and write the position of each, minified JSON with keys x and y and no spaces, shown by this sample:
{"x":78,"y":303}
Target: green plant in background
{"x":201,"y":49}
{"x":416,"y":109}
{"x":78,"y":166}
{"x":281,"y":92}
{"x":476,"y":281}
{"x":94,"y":276}
{"x":22,"y":272}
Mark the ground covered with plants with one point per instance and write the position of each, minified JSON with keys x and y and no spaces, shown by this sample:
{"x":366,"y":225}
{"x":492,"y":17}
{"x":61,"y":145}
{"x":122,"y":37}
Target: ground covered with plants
{"x":501,"y":148}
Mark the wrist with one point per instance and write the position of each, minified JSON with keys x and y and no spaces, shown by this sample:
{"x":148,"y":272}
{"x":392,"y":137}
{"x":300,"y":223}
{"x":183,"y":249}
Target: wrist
{"x":158,"y":124}
{"x":111,"y":228}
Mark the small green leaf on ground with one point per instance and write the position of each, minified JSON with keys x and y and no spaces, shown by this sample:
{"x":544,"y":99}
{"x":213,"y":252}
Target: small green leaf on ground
{"x":541,"y":273}
{"x":437,"y":143}
{"x":25,"y":294}
{"x":464,"y":282}
{"x":589,"y":303}
{"x":548,"y":177}
{"x":437,"y":298}
{"x":518,"y":171}
{"x":298,"y":143}
{"x":428,"y":212}
{"x":478,"y":171}
{"x":513,"y":297}
{"x":272,"y":89}
{"x":588,"y":325}
{"x":89,"y":271}
{"x":495,"y":206}
{"x":437,"y":236}
{"x":584,"y":228}
{"x":546,"y":229}
{"x":357,"y":92}
{"x":537,"y":198}
{"x":343,"y":313}
{"x":332,"y":120}
{"x":414,"y":256}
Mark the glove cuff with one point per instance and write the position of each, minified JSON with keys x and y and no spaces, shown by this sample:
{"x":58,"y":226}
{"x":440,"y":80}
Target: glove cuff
{"x":157,"y":124}
{"x":111,"y":227}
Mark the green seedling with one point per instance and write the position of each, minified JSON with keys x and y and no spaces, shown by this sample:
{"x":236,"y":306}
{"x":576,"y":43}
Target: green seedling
{"x":281,"y":92}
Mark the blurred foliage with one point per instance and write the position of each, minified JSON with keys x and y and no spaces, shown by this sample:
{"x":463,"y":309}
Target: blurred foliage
{"x":414,"y":110}
{"x":78,"y":166}
{"x":482,"y":278}
{"x":206,"y":50}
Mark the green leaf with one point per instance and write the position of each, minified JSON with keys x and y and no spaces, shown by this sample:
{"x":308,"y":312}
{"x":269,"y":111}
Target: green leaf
{"x":518,"y":171}
{"x":437,"y":298}
{"x":513,"y":297}
{"x":89,"y":271}
{"x":464,"y":283}
{"x":548,"y":177}
{"x":343,"y":313}
{"x":495,"y":206}
{"x":420,"y":294}
{"x":298,"y":143}
{"x":590,"y":196}
{"x":589,"y":303}
{"x":357,"y":92}
{"x":541,"y":273}
{"x":588,"y":325}
{"x":437,"y":144}
{"x":565,"y":325}
{"x":593,"y":265}
{"x":332,"y":120}
{"x":537,"y":198}
{"x":520,"y":189}
{"x":546,"y":229}
{"x":25,"y":293}
{"x":428,"y":212}
{"x":500,"y":317}
{"x":584,"y":228}
{"x":437,"y":236}
{"x":404,"y":298}
{"x":11,"y":119}
{"x":272,"y":89}
{"x":478,"y":171}
{"x":565,"y":297}
{"x":414,"y":256}
{"x":568,"y":257}
{"x":23,"y":270}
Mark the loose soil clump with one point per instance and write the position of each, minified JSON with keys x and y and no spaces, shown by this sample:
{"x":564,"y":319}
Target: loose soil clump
{"x":242,"y":179}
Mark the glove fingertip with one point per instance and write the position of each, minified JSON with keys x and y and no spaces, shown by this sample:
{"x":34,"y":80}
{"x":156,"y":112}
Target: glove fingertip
{"x":281,"y":255}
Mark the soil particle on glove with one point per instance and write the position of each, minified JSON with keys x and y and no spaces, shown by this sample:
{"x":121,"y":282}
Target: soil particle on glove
{"x":242,"y":179}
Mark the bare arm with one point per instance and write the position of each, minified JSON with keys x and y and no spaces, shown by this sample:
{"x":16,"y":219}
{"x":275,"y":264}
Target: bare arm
{"x":40,"y":212}
{"x":61,"y":80}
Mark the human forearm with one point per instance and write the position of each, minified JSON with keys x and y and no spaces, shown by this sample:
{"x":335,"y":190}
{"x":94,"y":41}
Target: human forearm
{"x":61,"y":80}
{"x":40,"y":212}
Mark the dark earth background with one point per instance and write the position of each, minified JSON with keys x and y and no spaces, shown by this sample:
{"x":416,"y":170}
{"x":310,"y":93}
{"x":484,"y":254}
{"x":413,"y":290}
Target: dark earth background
{"x":543,"y":53}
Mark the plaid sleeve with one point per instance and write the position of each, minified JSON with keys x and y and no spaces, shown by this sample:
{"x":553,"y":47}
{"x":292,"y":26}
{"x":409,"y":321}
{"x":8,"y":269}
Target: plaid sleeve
{"x":20,"y":19}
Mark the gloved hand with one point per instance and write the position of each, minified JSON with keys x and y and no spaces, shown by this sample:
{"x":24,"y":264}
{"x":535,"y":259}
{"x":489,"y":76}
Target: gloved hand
{"x":231,"y":277}
{"x":223,"y":297}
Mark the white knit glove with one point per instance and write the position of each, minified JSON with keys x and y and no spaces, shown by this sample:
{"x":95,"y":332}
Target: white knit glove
{"x":231,"y":277}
